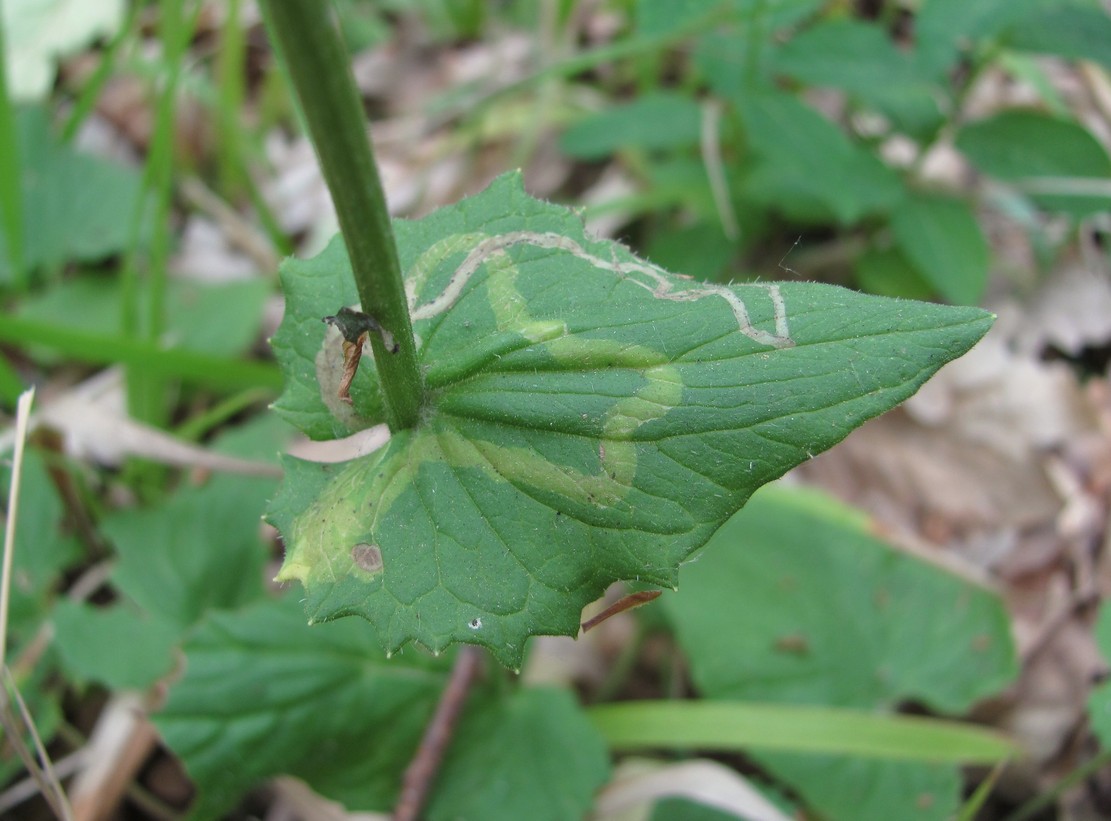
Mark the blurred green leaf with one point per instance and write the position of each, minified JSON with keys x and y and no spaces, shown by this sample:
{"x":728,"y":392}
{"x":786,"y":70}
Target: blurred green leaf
{"x":1079,"y":32}
{"x":117,"y":646}
{"x":945,"y":28}
{"x":821,"y":612}
{"x":888,"y":273}
{"x":265,"y":694}
{"x":861,"y":59}
{"x":533,"y":754}
{"x":75,"y":207}
{"x":661,"y":16}
{"x":684,"y":809}
{"x":941,"y":237}
{"x":656,"y":121}
{"x":700,"y":250}
{"x":806,"y":167}
{"x":201,"y":548}
{"x":1023,"y":145}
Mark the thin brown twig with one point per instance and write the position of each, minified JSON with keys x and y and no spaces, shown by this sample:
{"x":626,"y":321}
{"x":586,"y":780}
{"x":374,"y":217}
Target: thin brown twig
{"x":629,"y":602}
{"x":421,"y":772}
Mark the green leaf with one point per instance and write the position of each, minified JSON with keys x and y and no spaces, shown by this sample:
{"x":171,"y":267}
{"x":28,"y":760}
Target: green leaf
{"x":201,"y":548}
{"x":655,"y":17}
{"x":944,"y":28}
{"x":807,"y":168}
{"x":941,"y":237}
{"x":1021,"y":146}
{"x":1079,"y":32}
{"x":264,"y":694}
{"x":861,"y":59}
{"x":75,"y":207}
{"x":845,"y":788}
{"x":589,"y":418}
{"x":547,"y":756}
{"x":683,"y":809}
{"x":842,"y":620}
{"x":887,"y":272}
{"x":116,"y":646}
{"x":656,"y":121}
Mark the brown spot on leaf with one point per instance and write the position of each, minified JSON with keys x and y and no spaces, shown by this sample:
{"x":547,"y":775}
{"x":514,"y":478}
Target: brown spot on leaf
{"x":367,"y":557}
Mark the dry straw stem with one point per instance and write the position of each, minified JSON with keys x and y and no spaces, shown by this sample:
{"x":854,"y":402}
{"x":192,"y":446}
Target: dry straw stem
{"x":22,"y":415}
{"x":44,"y":774}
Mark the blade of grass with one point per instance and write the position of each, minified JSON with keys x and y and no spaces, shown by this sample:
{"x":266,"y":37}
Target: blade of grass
{"x":970,"y":810}
{"x":95,"y":84}
{"x":230,"y":83}
{"x":1039,"y":802}
{"x":146,"y":393}
{"x":11,"y":194}
{"x":736,"y":726}
{"x":11,"y":386}
{"x":175,"y":363}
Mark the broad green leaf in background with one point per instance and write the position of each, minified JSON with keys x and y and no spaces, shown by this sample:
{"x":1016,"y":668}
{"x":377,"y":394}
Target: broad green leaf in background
{"x":806,"y":167}
{"x":664,"y":16}
{"x":1079,"y":32}
{"x":654,"y":121}
{"x":589,"y":418}
{"x":941,"y":237}
{"x":1022,"y":146}
{"x":821,"y":612}
{"x":655,"y":17}
{"x":75,"y":207}
{"x":944,"y":28}
{"x":263,"y":694}
{"x":861,"y":59}
{"x":703,"y":248}
{"x":887,"y":272}
{"x":201,"y":548}
{"x":198,"y":550}
{"x":547,"y":756}
{"x":683,"y":809}
{"x":117,"y":646}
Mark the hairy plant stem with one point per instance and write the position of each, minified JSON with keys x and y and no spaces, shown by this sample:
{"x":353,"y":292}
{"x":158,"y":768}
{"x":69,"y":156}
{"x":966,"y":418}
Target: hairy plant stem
{"x":320,"y":72}
{"x":421,"y":772}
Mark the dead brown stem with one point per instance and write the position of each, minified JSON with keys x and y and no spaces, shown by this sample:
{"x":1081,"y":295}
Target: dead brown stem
{"x":422,"y":770}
